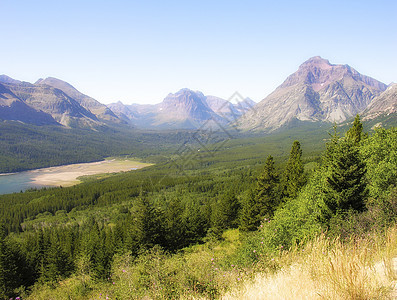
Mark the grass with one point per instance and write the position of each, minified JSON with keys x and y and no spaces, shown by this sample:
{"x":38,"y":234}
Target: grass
{"x":329,"y":269}
{"x":363,"y":268}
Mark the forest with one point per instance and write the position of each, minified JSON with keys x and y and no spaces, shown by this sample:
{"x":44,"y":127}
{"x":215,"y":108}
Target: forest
{"x":144,"y":233}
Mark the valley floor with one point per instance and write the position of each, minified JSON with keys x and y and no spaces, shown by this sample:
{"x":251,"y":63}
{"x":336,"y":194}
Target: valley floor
{"x":68,"y":175}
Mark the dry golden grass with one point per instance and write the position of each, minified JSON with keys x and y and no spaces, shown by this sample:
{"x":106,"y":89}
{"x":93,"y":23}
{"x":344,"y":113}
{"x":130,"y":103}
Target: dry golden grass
{"x":330,"y":269}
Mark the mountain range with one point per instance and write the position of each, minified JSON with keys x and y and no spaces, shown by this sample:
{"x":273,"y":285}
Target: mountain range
{"x":317,"y":92}
{"x":184,"y":109}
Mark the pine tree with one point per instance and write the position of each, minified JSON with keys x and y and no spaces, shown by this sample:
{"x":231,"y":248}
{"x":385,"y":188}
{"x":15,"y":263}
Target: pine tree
{"x":266,"y":195}
{"x":195,"y":221}
{"x":249,"y":219}
{"x":174,"y":226}
{"x":346,"y":183}
{"x":355,"y":133}
{"x":345,"y":171}
{"x":148,"y":223}
{"x":225,"y":213}
{"x":294,"y":178}
{"x":13,"y":268}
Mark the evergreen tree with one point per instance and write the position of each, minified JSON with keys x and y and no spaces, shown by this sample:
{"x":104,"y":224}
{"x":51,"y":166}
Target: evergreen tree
{"x":13,"y":268}
{"x":174,"y":226}
{"x":346,"y":182}
{"x":345,"y":171}
{"x":266,"y":194}
{"x":225,"y":212}
{"x":249,"y":219}
{"x":294,"y":177}
{"x":195,"y":221}
{"x":148,"y":223}
{"x":355,"y":133}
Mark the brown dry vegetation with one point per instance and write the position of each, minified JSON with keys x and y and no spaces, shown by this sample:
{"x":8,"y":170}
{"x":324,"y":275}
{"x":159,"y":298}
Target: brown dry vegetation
{"x":329,"y":269}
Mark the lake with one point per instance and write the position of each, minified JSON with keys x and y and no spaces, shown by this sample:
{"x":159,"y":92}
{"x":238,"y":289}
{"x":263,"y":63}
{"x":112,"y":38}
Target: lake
{"x":17,"y":182}
{"x":63,"y":175}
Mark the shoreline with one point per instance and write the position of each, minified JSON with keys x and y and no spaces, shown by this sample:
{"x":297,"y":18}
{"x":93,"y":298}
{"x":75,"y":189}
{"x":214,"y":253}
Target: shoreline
{"x":67,"y":175}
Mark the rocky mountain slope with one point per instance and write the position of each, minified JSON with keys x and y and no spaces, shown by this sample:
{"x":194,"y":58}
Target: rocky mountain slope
{"x":101,"y":111}
{"x":12,"y":108}
{"x":43,"y":104}
{"x":383,"y":105}
{"x":317,"y":91}
{"x":185,"y":109}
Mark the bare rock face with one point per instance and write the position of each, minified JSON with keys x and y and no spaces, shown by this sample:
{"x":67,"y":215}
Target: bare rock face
{"x":62,"y":108}
{"x":101,"y":111}
{"x":318,"y":91}
{"x":123,"y":112}
{"x":12,"y":108}
{"x":186,"y":107}
{"x":384,"y":104}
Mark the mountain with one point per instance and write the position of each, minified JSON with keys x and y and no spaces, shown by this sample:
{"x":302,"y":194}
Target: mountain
{"x":43,"y":104}
{"x":12,"y":108}
{"x":317,"y":91}
{"x":383,"y":105}
{"x":101,"y":111}
{"x":123,"y":112}
{"x":54,"y":102}
{"x":230,"y":110}
{"x":7,"y":79}
{"x":185,"y":109}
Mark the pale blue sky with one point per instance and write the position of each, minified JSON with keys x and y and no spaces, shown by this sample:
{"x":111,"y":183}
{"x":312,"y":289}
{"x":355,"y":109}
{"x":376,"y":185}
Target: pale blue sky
{"x":139,"y":51}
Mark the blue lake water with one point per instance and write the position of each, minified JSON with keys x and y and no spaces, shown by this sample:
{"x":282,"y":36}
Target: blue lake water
{"x":14,"y":183}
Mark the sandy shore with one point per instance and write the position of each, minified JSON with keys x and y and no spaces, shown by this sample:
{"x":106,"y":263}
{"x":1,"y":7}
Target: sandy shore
{"x":67,"y":175}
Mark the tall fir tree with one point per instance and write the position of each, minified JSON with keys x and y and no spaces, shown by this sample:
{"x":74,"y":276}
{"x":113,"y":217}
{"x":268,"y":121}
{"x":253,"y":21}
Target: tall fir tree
{"x":266,"y":191}
{"x":355,"y":133}
{"x":175,"y":230}
{"x":148,"y":223}
{"x":293,"y":178}
{"x":346,"y":182}
{"x":346,"y":171}
{"x":14,"y":271}
{"x":225,"y":213}
{"x":249,"y":219}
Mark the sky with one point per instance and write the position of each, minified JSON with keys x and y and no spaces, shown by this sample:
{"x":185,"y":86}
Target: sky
{"x":140,"y":51}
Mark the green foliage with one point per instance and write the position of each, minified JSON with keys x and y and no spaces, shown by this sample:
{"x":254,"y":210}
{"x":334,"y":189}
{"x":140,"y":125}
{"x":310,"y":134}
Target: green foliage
{"x":249,"y":215}
{"x":138,"y":229}
{"x":293,"y":177}
{"x":346,"y":183}
{"x":225,"y":212}
{"x":266,"y":192}
{"x":380,"y":154}
{"x":14,"y":271}
{"x":355,"y":133}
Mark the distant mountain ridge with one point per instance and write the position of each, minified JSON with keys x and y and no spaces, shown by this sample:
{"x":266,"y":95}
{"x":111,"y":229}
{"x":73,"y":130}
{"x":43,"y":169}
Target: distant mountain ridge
{"x":101,"y":111}
{"x":185,"y":109}
{"x":383,"y":105}
{"x":317,"y":91}
{"x":13,"y":108}
{"x":53,"y":102}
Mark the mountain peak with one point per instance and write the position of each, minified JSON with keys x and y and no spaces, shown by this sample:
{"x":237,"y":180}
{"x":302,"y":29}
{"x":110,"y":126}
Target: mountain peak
{"x":7,"y":79}
{"x":317,"y":61}
{"x":55,"y":82}
{"x":317,"y":91}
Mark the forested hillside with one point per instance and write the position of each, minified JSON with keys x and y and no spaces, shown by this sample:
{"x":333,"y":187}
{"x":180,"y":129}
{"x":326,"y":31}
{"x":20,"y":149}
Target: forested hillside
{"x":101,"y":237}
{"x":29,"y":147}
